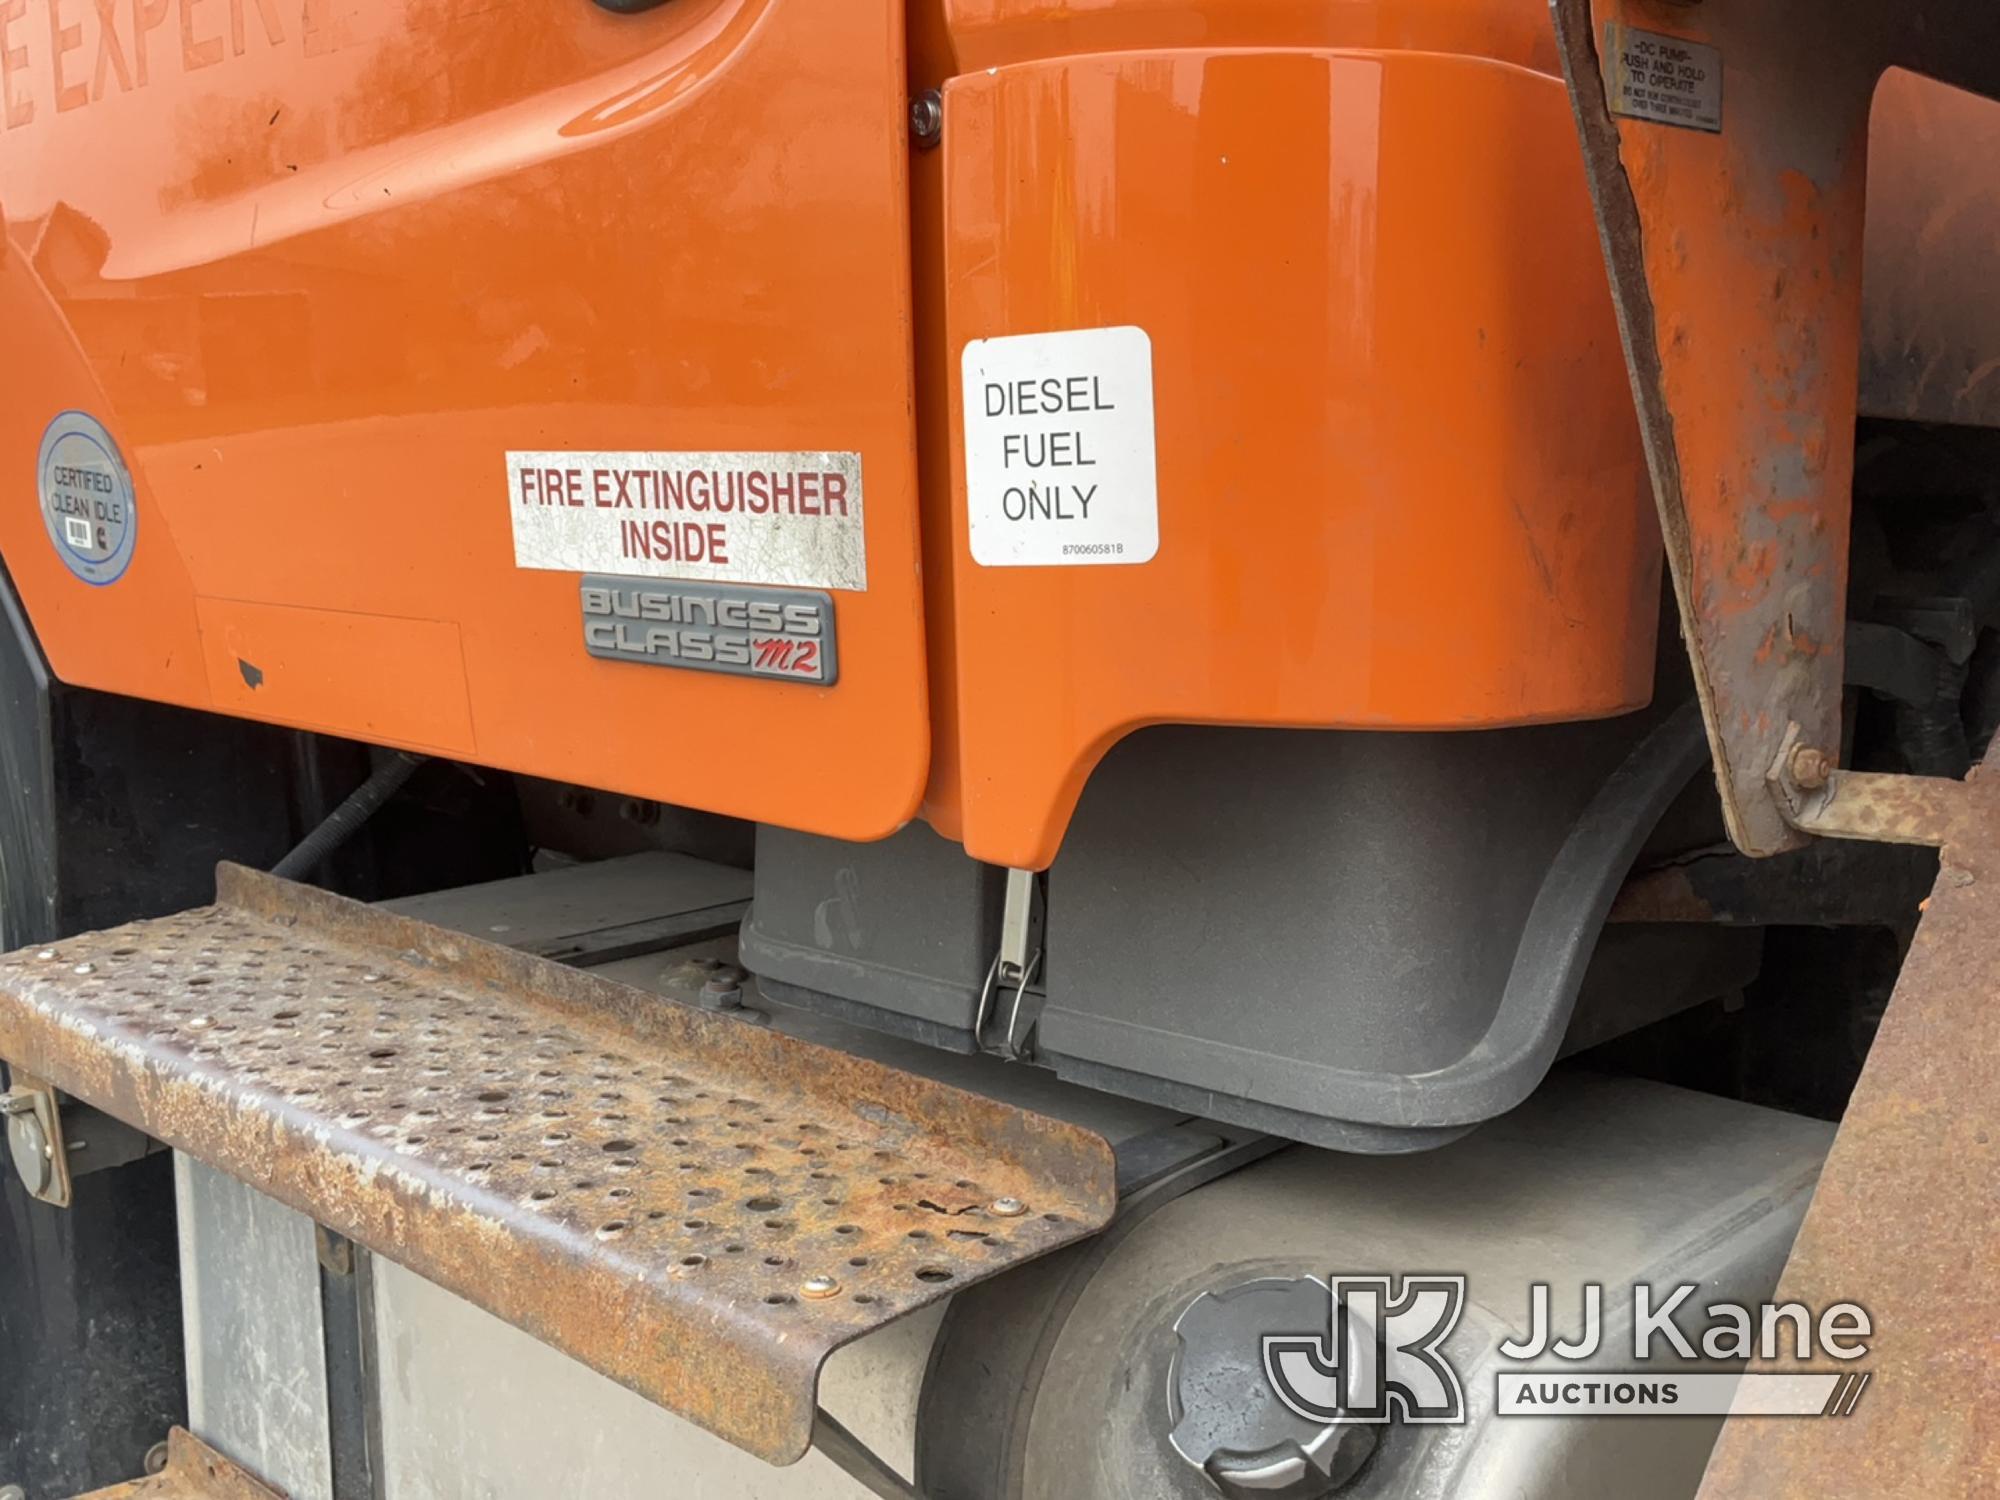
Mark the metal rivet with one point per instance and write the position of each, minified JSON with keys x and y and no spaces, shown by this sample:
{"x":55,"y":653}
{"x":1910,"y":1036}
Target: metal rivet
{"x":46,"y":953}
{"x":1007,"y":1208}
{"x":84,"y":969}
{"x":819,"y":1286}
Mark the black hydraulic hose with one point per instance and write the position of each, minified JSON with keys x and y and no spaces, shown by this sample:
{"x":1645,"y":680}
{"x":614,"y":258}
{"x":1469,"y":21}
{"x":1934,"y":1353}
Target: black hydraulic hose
{"x":339,"y":825}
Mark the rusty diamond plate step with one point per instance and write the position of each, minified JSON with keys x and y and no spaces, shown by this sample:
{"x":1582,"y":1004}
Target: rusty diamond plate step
{"x":698,"y":1207}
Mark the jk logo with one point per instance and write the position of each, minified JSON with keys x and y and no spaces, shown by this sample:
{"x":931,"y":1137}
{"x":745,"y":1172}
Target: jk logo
{"x":1378,"y":1357}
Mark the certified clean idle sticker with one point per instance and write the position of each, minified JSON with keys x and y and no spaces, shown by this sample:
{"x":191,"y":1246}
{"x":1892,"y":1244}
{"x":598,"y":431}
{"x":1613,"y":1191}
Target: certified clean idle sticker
{"x":86,"y":497}
{"x":712,"y":627}
{"x":785,"y":518}
{"x":1664,"y":78}
{"x":1059,"y":462}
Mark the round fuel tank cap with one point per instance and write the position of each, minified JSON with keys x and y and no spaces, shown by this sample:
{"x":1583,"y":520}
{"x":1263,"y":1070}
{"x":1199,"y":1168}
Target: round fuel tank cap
{"x":1227,"y":1420}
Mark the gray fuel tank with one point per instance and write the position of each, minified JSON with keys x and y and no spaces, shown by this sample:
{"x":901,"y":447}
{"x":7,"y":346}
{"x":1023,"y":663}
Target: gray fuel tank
{"x":1058,"y":1382}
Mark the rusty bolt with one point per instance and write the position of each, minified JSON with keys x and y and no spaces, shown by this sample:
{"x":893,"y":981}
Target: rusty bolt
{"x":723,"y":991}
{"x":1007,"y":1208}
{"x":1811,"y":768}
{"x":818,"y":1287}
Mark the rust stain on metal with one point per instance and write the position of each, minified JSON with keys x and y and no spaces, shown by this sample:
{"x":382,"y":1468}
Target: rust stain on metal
{"x":1830,"y":882}
{"x":639,"y":1183}
{"x":1885,"y":809}
{"x":1665,"y":895}
{"x":1735,"y":264}
{"x":194,"y":1471}
{"x":1902,"y":1222}
{"x":1868,"y":805}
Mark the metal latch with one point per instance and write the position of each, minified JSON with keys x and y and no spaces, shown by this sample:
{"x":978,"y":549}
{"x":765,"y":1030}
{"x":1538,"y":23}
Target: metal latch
{"x":34,"y":1138}
{"x":1015,"y":965}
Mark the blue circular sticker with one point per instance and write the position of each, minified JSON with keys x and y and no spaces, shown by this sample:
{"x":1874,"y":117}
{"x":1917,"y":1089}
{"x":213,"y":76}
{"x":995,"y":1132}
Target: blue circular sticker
{"x":86,"y":494}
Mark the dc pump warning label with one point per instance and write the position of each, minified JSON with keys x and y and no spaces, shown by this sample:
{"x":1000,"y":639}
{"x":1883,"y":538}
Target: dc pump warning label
{"x":1664,"y":78}
{"x":1059,"y":458}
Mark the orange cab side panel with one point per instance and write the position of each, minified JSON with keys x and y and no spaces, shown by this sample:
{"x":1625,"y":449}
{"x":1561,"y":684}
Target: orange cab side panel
{"x":967,"y":36}
{"x":1399,"y":483}
{"x":316,"y":268}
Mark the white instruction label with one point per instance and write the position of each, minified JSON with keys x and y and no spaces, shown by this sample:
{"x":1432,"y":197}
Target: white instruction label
{"x":1663,"y":78}
{"x":786,"y":518}
{"x":1059,"y":461}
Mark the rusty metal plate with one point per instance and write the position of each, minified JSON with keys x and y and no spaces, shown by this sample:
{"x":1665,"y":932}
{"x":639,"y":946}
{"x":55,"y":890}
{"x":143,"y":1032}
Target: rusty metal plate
{"x":194,"y":1471}
{"x":1736,"y":268}
{"x":698,"y":1207}
{"x":1903,"y":1223}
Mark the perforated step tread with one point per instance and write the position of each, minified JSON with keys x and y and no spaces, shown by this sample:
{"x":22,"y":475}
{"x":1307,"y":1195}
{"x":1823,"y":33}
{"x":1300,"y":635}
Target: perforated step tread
{"x":698,"y":1207}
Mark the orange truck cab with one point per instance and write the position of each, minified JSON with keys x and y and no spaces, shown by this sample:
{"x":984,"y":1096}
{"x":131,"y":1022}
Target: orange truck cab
{"x":637,"y":401}
{"x":1115,"y":533}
